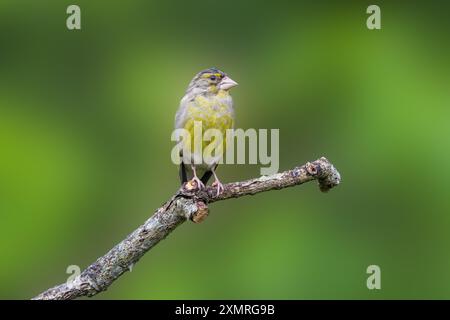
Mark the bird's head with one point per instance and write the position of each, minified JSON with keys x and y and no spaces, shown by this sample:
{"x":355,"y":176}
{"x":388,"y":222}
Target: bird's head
{"x":211,"y":80}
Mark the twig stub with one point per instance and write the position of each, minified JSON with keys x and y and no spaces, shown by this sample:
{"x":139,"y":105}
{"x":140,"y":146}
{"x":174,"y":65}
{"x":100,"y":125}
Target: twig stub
{"x":202,"y":212}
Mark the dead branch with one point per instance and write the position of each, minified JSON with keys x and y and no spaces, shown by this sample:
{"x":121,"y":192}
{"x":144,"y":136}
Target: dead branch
{"x":187,"y":204}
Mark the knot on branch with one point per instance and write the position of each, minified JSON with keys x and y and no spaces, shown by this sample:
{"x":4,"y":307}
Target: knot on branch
{"x":328,"y":176}
{"x":192,"y":203}
{"x":325,"y":173}
{"x":202,"y":212}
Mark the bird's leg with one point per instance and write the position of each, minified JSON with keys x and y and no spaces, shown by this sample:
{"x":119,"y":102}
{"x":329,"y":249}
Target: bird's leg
{"x":199,"y":182}
{"x":217,"y":182}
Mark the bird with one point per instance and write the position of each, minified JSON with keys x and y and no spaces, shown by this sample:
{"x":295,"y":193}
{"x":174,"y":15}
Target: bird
{"x":207,"y":100}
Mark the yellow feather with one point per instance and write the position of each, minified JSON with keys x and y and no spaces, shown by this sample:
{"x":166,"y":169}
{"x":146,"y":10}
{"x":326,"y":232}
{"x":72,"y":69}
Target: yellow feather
{"x":214,"y":113}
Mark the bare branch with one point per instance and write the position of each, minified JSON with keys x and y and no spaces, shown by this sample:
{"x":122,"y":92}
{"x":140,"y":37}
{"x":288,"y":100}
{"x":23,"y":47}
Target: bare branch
{"x":187,"y":203}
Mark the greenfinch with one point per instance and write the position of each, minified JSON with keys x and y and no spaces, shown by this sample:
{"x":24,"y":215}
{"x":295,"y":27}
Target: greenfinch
{"x":207,"y":101}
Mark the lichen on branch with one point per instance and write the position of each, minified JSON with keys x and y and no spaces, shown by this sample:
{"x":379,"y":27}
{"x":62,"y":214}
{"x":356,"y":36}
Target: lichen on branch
{"x":188,"y":203}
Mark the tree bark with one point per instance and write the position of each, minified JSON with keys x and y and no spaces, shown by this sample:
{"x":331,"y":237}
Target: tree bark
{"x":187,"y":204}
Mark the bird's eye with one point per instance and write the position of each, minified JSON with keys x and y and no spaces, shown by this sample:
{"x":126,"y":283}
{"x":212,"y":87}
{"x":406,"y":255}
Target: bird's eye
{"x":212,"y":78}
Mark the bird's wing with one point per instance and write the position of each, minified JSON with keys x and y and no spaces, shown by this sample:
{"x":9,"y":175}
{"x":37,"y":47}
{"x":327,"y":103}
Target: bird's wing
{"x":180,"y":116}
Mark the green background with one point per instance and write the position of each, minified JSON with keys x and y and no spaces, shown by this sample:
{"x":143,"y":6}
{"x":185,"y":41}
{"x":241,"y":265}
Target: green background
{"x":85,"y":124}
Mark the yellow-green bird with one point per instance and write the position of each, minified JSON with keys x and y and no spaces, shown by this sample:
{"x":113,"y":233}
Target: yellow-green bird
{"x":207,"y":100}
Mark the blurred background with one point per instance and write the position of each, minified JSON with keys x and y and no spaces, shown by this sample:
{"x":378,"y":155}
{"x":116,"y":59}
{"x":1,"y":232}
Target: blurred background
{"x":85,"y":124}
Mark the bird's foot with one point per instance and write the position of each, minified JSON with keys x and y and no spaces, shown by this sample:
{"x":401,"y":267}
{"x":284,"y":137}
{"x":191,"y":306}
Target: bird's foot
{"x":219,"y":187}
{"x":198,"y":183}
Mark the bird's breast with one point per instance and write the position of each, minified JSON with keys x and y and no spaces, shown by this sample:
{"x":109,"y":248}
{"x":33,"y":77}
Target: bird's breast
{"x":214,"y":112}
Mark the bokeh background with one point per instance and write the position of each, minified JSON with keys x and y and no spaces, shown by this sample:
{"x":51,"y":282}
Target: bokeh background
{"x":85,"y":124}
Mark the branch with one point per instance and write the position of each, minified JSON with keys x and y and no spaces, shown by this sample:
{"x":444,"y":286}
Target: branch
{"x":187,"y":203}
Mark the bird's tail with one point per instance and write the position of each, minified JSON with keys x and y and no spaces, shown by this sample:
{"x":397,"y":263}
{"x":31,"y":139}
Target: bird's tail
{"x":183,"y":174}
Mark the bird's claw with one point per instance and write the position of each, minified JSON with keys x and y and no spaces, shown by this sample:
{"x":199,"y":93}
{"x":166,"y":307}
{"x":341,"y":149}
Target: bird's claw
{"x":200,"y":185}
{"x":219,"y":187}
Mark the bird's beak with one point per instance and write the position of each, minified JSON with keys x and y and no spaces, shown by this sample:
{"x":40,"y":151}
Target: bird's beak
{"x":227,"y":83}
